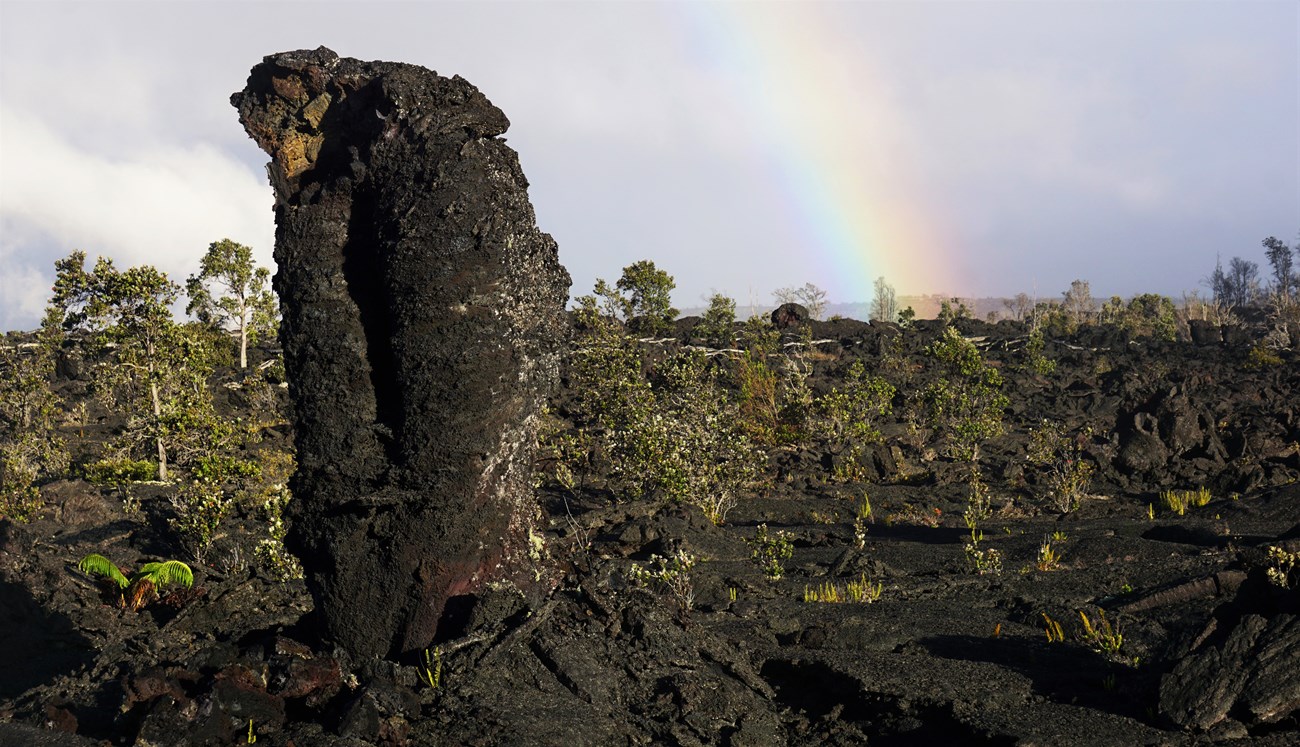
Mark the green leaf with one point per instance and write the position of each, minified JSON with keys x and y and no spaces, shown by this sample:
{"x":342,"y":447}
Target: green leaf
{"x":98,"y":565}
{"x":165,"y":573}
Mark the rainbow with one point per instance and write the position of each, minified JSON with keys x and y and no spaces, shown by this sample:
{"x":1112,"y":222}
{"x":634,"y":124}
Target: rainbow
{"x":835,"y":157}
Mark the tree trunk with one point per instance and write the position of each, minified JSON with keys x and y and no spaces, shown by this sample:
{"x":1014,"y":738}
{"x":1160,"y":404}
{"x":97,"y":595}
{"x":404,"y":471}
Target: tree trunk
{"x":157,"y":420}
{"x":243,"y":343}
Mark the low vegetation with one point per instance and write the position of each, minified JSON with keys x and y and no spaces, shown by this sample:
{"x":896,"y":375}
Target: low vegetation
{"x":1178,"y":501}
{"x":853,"y":591}
{"x":142,"y":586}
{"x":662,"y":421}
{"x":1061,"y":458}
{"x":668,"y":575}
{"x":770,"y":550}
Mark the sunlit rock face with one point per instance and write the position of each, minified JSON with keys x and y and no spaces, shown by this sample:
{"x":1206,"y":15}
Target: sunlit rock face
{"x":423,"y":316}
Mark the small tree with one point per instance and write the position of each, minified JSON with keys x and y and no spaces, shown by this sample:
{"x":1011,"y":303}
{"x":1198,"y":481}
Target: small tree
{"x":718,"y":325}
{"x":884,"y":305}
{"x":1244,"y":276}
{"x":70,"y":294}
{"x":809,"y":296}
{"x":1020,"y":308}
{"x":243,"y":299}
{"x":1279,"y":259}
{"x":1238,"y":286}
{"x":648,"y":303}
{"x":1078,"y":302}
{"x":153,"y":369}
{"x":951,"y":310}
{"x":906,"y":317}
{"x":30,"y":450}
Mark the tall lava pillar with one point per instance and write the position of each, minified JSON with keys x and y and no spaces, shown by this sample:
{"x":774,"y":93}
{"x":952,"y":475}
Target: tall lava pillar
{"x":423,"y":319}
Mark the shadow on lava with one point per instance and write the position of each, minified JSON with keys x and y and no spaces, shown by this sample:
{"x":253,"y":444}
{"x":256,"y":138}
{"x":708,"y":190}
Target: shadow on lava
{"x":27,"y":630}
{"x":922,"y":534}
{"x":1064,"y":672}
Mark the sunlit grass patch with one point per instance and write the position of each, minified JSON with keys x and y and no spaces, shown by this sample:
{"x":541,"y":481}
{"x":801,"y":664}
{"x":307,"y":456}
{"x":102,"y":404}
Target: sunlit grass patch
{"x":860,"y":591}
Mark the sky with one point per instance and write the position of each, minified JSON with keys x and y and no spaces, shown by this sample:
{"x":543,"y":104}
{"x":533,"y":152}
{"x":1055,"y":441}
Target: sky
{"x":962,"y":147}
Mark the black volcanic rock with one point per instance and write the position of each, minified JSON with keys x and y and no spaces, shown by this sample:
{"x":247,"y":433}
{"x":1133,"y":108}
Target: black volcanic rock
{"x":1204,"y":332}
{"x":1251,"y":673}
{"x":422,"y":322}
{"x":1141,"y":450}
{"x":789,"y":315}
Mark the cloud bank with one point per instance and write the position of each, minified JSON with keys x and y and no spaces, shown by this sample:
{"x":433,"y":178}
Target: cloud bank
{"x":155,"y":205}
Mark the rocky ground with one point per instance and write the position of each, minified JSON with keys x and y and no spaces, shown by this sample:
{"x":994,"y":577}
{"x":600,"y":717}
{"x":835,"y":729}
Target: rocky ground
{"x":1210,"y":649}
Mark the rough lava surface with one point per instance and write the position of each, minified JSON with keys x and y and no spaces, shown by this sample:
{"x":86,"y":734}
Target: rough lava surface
{"x":423,"y":316}
{"x":945,"y":656}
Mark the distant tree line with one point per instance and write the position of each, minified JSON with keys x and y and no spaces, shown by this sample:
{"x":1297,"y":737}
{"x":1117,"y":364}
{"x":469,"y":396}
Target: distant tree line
{"x":1240,"y":286}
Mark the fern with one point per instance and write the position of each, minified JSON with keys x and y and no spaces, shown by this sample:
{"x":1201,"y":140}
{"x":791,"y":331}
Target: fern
{"x":143,"y":585}
{"x":98,"y":565}
{"x":166,"y":572}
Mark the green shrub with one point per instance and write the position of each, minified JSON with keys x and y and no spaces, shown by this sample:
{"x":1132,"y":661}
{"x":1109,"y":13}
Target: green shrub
{"x":563,"y":454}
{"x":1261,"y":358}
{"x":271,"y":490}
{"x":275,"y":557}
{"x":31,"y":453}
{"x":1034,"y":359}
{"x":1147,"y":315}
{"x":220,"y":468}
{"x":200,"y":506}
{"x":773,"y":401}
{"x":672,"y":435}
{"x":980,"y":560}
{"x":1060,"y":457}
{"x":1282,"y":567}
{"x":696,"y":453}
{"x":671,"y":575}
{"x":118,"y":472}
{"x":966,"y":404}
{"x":19,"y":504}
{"x":1053,"y":320}
{"x":769,"y":549}
{"x":850,"y":415}
{"x":717,"y":326}
{"x":979,"y":500}
{"x":758,"y":400}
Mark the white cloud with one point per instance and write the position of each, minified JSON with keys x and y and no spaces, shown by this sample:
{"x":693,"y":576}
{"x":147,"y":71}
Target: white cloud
{"x":24,"y":289}
{"x":159,"y":205}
